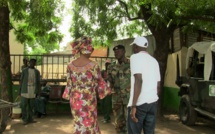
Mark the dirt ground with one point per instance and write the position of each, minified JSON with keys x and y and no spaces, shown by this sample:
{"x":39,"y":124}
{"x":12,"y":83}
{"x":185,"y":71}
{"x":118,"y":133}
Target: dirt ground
{"x":63,"y":124}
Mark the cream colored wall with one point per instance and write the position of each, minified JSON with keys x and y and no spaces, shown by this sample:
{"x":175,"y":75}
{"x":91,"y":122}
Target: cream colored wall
{"x":15,"y":48}
{"x":170,"y":75}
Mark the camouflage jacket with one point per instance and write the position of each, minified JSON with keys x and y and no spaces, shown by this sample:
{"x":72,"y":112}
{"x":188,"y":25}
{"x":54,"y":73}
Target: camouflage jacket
{"x":119,"y":76}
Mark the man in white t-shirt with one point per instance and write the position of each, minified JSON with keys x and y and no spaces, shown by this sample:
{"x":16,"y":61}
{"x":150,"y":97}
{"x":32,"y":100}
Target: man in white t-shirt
{"x":145,"y":86}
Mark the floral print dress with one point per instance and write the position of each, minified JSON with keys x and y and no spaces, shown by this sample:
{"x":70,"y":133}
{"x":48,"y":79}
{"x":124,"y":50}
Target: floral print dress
{"x":86,"y":83}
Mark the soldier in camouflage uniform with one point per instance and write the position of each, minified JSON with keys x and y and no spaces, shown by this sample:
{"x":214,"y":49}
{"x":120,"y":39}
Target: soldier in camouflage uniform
{"x":119,"y":78}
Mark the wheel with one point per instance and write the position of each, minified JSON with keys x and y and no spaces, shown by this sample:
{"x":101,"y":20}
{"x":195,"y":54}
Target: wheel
{"x":187,"y":114}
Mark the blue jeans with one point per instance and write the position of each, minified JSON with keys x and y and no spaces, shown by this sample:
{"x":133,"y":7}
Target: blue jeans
{"x":146,"y":115}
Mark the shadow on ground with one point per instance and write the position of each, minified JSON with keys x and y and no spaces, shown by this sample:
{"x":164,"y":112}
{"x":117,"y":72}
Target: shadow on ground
{"x":63,"y":124}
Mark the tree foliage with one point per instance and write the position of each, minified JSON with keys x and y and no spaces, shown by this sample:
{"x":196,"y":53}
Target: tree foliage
{"x":113,"y":19}
{"x":102,"y":20}
{"x":36,"y":23}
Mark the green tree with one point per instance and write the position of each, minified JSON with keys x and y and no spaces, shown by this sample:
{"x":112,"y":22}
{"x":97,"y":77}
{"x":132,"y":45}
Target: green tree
{"x":112,"y":19}
{"x":36,"y":24}
{"x":5,"y":63}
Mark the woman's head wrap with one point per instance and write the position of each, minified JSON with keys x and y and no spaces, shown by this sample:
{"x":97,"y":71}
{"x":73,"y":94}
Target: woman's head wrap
{"x":83,"y":45}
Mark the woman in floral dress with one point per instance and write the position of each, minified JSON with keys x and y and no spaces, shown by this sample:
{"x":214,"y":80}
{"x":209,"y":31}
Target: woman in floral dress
{"x":85,"y":83}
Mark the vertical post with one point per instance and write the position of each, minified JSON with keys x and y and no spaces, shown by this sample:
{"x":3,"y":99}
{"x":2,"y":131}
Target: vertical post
{"x":178,"y":80}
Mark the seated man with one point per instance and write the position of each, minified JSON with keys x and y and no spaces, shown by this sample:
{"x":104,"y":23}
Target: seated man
{"x":41,"y":100}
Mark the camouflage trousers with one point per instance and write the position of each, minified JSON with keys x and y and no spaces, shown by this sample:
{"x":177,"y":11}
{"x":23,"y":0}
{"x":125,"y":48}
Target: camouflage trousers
{"x":120,"y":115}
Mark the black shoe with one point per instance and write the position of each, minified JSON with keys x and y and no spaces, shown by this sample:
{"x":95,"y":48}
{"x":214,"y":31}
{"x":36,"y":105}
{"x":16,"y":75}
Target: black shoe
{"x":106,"y":121}
{"x":39,"y":115}
{"x":43,"y":116}
{"x":33,"y":121}
{"x":24,"y":123}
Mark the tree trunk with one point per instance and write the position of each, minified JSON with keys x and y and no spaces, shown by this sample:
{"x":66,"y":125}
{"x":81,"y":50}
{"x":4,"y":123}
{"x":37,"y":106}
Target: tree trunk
{"x":161,"y":54}
{"x":162,"y":37}
{"x":5,"y":64}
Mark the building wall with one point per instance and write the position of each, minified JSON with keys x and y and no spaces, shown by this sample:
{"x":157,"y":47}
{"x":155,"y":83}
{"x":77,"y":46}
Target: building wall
{"x":170,"y":75}
{"x":15,"y":48}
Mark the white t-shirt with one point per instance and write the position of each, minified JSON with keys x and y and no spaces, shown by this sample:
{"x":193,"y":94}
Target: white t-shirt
{"x":145,"y":64}
{"x":31,"y":84}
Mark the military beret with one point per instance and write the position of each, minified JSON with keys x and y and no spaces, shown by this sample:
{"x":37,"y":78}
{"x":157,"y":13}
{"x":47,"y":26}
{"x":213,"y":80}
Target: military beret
{"x":118,"y":47}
